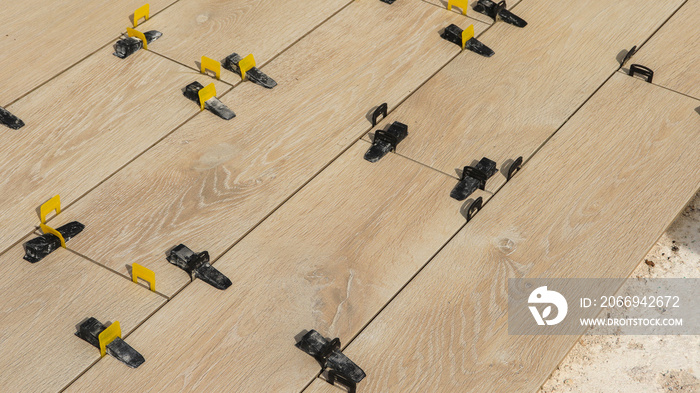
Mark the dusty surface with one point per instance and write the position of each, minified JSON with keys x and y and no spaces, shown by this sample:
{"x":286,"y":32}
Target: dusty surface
{"x":642,"y":363}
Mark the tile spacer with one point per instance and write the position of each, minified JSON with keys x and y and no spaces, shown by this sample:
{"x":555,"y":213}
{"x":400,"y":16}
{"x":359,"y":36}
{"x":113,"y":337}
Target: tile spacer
{"x":10,"y":120}
{"x":141,"y":12}
{"x":135,"y":33}
{"x":246,"y":64}
{"x":206,"y":100}
{"x":53,"y":204}
{"x":246,"y":67}
{"x":514,"y":168}
{"x":134,"y":41}
{"x":462,"y":4}
{"x":211,"y":65}
{"x":197,"y":266}
{"x":39,"y":247}
{"x":138,"y":271}
{"x":474,"y":178}
{"x":386,"y":141}
{"x":205,"y":93}
{"x":36,"y":249}
{"x":646,"y":72}
{"x":380,"y":111}
{"x":498,"y":11}
{"x":327,"y":353}
{"x":108,"y":340}
{"x":474,"y":208}
{"x":466,"y":40}
{"x":628,"y":55}
{"x":108,"y":335}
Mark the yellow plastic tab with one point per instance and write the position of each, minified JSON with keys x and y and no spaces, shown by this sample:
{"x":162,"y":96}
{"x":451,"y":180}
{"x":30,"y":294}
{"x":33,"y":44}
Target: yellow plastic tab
{"x":47,"y":229}
{"x":138,"y":271}
{"x":211,"y":65}
{"x":49,"y":206}
{"x":206,"y":93}
{"x":246,"y":64}
{"x":135,"y":33}
{"x":108,"y":335}
{"x":467,"y":34}
{"x":141,"y":12}
{"x":463,"y":4}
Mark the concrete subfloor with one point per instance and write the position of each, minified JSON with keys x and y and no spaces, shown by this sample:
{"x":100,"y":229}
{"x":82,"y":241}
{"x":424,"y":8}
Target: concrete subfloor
{"x":642,"y":364}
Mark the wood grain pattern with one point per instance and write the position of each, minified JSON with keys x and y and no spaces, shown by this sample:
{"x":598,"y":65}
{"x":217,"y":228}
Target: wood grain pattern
{"x":39,"y":39}
{"x":507,"y":105}
{"x":210,"y":182}
{"x":329,"y":259}
{"x":590,"y":204}
{"x":41,"y":305}
{"x":83,"y":126}
{"x":673,"y":52}
{"x":216,"y":28}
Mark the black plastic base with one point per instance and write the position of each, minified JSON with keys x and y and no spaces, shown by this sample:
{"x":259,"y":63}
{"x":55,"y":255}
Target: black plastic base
{"x":36,"y":249}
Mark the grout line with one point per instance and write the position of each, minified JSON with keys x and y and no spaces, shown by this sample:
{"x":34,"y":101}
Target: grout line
{"x":115,"y":272}
{"x":16,"y":243}
{"x":661,"y":26}
{"x":61,"y":72}
{"x":318,"y":376}
{"x":63,"y":389}
{"x":412,"y":160}
{"x":195,"y":69}
{"x":428,"y":166}
{"x":674,"y":91}
{"x":164,"y":8}
{"x":306,"y":34}
{"x":80,"y":61}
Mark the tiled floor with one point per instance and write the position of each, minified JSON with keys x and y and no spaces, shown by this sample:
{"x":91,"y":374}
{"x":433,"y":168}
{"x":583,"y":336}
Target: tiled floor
{"x":311,"y":235}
